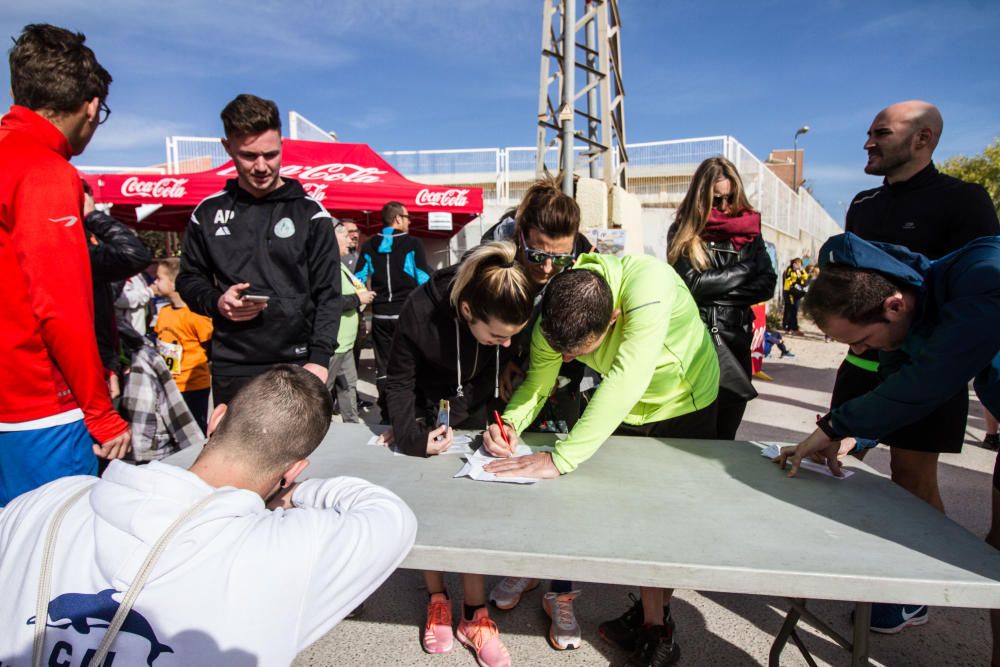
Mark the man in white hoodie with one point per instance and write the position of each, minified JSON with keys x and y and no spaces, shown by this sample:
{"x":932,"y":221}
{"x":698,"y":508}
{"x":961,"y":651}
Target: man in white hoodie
{"x":262,"y":568}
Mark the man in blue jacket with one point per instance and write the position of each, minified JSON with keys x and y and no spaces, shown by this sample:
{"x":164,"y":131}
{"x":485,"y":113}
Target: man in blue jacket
{"x":934,"y":324}
{"x":392,"y":264}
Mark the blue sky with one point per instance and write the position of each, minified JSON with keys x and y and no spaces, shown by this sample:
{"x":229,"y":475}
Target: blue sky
{"x":464,"y":73}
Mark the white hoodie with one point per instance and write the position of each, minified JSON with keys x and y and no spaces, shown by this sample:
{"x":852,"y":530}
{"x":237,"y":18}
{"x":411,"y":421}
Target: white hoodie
{"x":238,"y":585}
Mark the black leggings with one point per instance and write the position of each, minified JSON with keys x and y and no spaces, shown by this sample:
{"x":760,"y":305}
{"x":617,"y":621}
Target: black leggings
{"x":700,"y":424}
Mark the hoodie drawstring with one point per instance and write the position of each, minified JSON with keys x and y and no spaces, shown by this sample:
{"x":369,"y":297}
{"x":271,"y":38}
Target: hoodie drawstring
{"x":458,"y":365}
{"x":458,"y":362}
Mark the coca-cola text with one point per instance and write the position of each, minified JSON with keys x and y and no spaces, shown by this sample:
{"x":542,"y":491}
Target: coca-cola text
{"x":168,"y":187}
{"x":450,"y":197}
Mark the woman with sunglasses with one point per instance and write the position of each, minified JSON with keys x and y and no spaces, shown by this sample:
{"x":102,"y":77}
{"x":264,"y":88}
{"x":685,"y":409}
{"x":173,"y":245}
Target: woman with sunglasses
{"x":716,"y":246}
{"x":452,"y":339}
{"x":546,"y":228}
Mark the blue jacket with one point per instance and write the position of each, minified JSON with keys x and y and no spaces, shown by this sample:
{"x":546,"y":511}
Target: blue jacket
{"x":395,"y":263}
{"x":953,"y":337}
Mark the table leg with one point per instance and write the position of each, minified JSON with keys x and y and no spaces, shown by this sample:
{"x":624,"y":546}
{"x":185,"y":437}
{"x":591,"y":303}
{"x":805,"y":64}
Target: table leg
{"x":781,"y":639}
{"x":859,"y":647}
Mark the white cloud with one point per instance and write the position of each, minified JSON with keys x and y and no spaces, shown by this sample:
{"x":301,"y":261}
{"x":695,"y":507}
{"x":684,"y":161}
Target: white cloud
{"x":125,"y":132}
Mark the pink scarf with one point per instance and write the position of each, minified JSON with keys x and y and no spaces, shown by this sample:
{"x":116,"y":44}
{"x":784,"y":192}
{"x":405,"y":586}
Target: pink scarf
{"x":740,"y":229}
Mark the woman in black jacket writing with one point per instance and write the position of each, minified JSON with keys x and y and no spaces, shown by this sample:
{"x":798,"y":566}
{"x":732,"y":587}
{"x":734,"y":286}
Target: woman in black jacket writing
{"x":451,"y":342}
{"x":716,"y":247}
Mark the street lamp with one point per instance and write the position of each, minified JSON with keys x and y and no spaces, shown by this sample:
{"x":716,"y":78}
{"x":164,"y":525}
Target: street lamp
{"x":795,"y":155}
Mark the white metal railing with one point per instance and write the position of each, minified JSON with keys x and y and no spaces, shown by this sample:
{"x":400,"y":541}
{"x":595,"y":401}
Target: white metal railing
{"x":105,"y":169}
{"x":189,"y":154}
{"x":659,"y":173}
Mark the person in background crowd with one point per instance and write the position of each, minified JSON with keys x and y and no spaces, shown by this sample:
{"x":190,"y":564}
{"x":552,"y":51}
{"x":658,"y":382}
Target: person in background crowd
{"x":915,"y":313}
{"x":260,"y":258}
{"x":353,"y":295}
{"x":183,"y":339}
{"x":54,"y":400}
{"x":115,"y":254}
{"x":453,"y":337}
{"x":793,"y":288}
{"x":715,"y":245}
{"x":392,"y":264}
{"x":932,"y":214}
{"x":631,"y":319}
{"x":132,"y":304}
{"x":545,"y":226}
{"x":349,"y":254}
{"x":775,"y":339}
{"x":334,"y":541}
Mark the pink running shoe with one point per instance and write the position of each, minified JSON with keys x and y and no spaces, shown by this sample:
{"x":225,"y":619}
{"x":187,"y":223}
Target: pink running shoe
{"x":483,"y":638}
{"x":438,"y":637}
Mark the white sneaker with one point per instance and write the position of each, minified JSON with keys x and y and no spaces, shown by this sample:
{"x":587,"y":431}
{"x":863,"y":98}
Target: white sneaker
{"x":564,"y":633}
{"x":508,"y":592}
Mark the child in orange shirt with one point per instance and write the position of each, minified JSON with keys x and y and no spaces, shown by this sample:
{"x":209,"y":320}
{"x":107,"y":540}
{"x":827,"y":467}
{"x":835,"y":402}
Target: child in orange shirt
{"x":183,"y":338}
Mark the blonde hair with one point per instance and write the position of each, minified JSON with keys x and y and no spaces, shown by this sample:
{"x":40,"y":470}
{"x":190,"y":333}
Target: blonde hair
{"x":493,"y":285}
{"x":693,"y":212}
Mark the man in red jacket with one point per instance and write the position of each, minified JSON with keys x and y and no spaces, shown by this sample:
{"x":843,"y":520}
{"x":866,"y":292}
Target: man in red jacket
{"x":54,"y":402}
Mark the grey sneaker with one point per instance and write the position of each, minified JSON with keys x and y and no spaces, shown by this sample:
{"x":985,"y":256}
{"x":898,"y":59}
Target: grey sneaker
{"x":506,"y":594}
{"x":564,"y":632}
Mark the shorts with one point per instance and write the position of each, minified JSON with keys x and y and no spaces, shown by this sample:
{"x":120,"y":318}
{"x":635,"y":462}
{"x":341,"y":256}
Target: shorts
{"x":29,"y":459}
{"x":942,"y":431}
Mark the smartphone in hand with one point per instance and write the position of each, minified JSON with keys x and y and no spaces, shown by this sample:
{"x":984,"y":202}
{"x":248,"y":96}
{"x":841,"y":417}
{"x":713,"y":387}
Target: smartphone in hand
{"x":255,"y":298}
{"x":444,"y":413}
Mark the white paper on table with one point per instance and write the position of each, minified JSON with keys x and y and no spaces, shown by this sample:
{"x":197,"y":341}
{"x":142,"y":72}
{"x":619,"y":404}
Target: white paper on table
{"x":460,"y":444}
{"x":773,"y":449}
{"x":374,"y":440}
{"x":473,"y":467}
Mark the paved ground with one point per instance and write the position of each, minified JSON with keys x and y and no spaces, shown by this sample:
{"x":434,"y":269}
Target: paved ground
{"x":713,"y":629}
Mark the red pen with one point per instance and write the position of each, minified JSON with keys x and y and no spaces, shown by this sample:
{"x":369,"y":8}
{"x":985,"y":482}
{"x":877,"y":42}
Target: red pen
{"x":503,"y":431}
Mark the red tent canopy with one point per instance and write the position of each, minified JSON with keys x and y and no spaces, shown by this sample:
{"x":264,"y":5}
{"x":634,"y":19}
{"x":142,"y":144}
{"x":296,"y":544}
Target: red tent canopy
{"x":351,"y":180}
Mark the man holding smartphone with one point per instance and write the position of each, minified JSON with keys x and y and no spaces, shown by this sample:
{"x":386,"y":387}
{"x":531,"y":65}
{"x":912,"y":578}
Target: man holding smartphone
{"x":261,"y":259}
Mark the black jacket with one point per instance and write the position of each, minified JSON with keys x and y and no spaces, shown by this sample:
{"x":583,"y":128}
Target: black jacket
{"x":423,"y":367}
{"x":396,"y":264}
{"x":117,"y":256}
{"x":930,"y":213}
{"x":284,"y":245}
{"x":736,"y":280}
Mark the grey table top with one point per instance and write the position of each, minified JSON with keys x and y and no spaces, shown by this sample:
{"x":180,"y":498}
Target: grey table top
{"x":694,"y":514}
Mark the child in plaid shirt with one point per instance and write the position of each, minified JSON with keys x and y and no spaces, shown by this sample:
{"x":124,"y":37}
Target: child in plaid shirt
{"x":183,"y":338}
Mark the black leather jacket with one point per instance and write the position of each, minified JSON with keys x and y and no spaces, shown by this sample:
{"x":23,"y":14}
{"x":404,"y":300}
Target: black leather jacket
{"x":736,"y":280}
{"x":118,"y":255}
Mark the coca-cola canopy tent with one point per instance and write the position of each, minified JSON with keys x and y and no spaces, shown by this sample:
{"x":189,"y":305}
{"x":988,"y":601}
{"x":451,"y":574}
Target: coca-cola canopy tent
{"x":351,"y":180}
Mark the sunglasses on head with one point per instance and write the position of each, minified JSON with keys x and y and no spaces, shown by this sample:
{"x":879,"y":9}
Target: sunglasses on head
{"x":539,"y":256}
{"x":718,"y":199}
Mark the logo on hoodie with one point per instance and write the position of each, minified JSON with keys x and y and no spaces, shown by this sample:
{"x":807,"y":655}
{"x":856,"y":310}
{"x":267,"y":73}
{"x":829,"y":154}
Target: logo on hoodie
{"x":86,"y":611}
{"x":284,"y":228}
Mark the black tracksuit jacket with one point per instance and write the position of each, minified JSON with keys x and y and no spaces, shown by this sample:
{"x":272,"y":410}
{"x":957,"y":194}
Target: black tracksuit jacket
{"x":424,"y":363}
{"x":284,"y":245}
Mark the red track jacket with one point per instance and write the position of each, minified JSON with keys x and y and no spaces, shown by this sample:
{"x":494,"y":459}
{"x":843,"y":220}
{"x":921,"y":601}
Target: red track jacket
{"x":50,"y":364}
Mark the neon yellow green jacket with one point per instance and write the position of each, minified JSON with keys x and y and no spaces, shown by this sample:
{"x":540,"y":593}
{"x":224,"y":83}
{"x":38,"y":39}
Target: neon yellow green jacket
{"x":657,"y":362}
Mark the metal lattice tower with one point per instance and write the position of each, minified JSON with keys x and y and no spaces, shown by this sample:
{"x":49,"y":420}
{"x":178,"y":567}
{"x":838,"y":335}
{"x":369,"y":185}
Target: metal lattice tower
{"x":598,"y":56}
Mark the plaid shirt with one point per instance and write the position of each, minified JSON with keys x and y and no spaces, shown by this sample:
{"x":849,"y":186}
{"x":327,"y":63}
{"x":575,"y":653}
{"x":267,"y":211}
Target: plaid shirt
{"x":160,"y":420}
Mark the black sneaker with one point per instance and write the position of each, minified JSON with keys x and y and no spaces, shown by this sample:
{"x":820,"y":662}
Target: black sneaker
{"x":656,"y":648}
{"x":623,"y":631}
{"x":991,"y":441}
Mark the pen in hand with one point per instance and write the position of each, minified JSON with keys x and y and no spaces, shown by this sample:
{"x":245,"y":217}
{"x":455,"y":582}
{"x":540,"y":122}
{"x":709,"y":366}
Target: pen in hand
{"x":503,"y":432}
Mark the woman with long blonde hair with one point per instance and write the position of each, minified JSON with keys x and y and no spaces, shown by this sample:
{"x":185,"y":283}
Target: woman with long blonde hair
{"x":715,"y":244}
